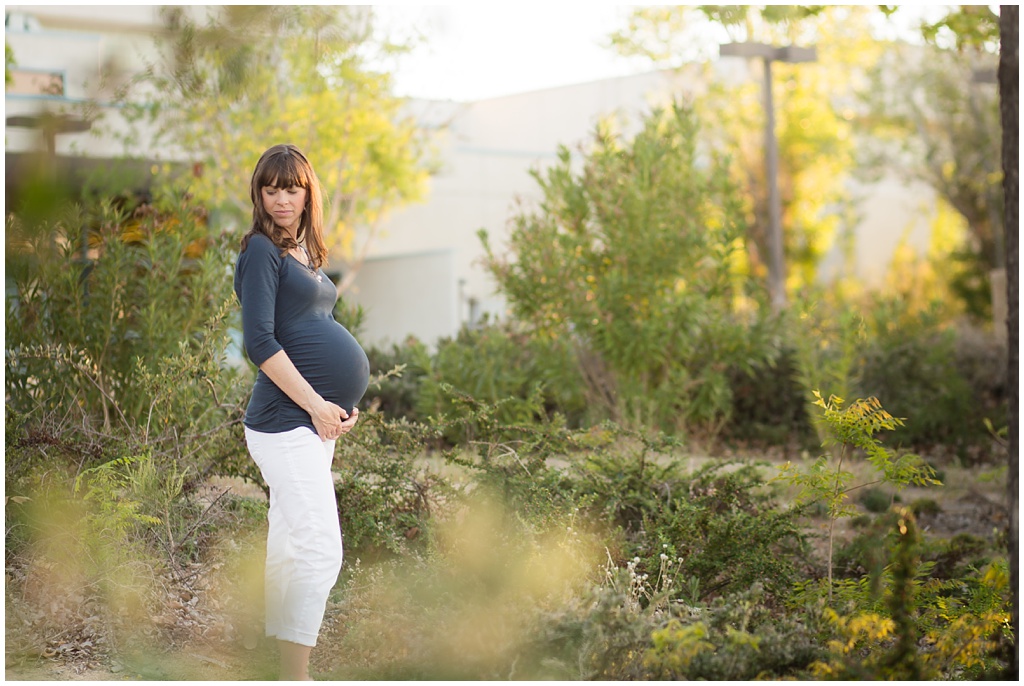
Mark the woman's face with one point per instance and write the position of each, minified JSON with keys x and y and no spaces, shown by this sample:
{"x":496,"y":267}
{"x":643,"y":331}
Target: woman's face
{"x":285,"y":206}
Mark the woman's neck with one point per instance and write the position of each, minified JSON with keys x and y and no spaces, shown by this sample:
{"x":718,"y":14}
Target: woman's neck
{"x":292,"y":233}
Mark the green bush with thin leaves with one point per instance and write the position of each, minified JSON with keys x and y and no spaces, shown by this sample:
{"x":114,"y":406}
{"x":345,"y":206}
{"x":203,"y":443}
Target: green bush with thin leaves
{"x":851,"y":431}
{"x":528,"y":377}
{"x":117,"y":323}
{"x":635,"y":258}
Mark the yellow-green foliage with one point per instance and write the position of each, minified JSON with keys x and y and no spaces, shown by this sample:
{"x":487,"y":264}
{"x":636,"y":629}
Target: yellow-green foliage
{"x":466,"y":609}
{"x":735,"y":638}
{"x":864,"y":631}
{"x":814,"y":112}
{"x":96,"y":553}
{"x":965,"y":634}
{"x":901,"y":625}
{"x":129,"y":504}
{"x":116,"y":505}
{"x":925,"y":284}
{"x":224,"y":91}
{"x":959,"y":638}
{"x":849,"y":430}
{"x":677,"y":645}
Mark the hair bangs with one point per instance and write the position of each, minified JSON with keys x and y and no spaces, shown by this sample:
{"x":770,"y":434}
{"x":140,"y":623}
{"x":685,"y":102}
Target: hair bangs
{"x":284,"y":171}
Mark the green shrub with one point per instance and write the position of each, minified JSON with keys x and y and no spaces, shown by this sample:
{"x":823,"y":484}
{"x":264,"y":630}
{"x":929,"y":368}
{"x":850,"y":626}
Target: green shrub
{"x":910,"y":361}
{"x":389,"y":496}
{"x":861,"y":521}
{"x":117,"y":322}
{"x":899,"y":621}
{"x":397,"y":395}
{"x":768,"y":403}
{"x":635,"y":255}
{"x":597,"y":635}
{"x":825,"y":337}
{"x":605,"y":635}
{"x":981,"y":360}
{"x":694,"y":536}
{"x":527,"y":377}
{"x":863,"y":555}
{"x":386,"y":501}
{"x":726,"y":532}
{"x":626,"y":480}
{"x":926,"y":506}
{"x":957,"y":557}
{"x":735,"y":639}
{"x":876,"y":499}
{"x":948,"y":380}
{"x":517,"y":462}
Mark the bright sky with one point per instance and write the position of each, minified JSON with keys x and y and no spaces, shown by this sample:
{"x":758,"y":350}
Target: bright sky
{"x":487,"y":49}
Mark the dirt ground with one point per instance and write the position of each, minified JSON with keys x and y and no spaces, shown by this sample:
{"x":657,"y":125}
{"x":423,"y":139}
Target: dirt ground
{"x":200,"y":648}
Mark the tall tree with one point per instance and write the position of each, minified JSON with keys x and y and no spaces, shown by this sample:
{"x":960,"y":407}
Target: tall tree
{"x":814,"y":126}
{"x":1009,"y":85}
{"x":223,"y":91}
{"x":931,"y":119}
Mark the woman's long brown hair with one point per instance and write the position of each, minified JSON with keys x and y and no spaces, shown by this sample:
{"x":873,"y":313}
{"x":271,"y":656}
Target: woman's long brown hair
{"x":284,"y":166}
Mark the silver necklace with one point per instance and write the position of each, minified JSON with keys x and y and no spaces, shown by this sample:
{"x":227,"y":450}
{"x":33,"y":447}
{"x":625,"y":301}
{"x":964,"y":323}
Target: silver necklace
{"x":309,"y":265}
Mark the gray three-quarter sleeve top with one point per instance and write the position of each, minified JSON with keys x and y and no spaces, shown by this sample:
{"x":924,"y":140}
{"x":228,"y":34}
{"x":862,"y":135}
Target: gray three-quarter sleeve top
{"x":287,"y":306}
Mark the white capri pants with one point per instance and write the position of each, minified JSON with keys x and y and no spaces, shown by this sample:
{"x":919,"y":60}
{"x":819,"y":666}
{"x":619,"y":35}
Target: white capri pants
{"x":304,"y":549}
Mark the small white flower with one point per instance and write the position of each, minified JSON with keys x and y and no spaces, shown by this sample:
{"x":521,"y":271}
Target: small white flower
{"x":663,"y":556}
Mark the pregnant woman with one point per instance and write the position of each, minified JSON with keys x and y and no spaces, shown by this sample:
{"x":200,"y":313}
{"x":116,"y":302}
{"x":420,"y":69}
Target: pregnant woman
{"x":312,"y":373}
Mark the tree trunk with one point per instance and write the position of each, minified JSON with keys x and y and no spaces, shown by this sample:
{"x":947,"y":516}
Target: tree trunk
{"x":1009,"y":111}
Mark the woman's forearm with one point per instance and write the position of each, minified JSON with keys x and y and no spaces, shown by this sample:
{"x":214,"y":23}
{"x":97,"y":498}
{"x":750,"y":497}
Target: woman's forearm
{"x":329,"y":419}
{"x":281,"y":370}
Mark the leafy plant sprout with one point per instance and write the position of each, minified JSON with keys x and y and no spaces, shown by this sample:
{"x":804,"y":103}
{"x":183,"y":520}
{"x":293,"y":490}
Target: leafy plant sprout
{"x":848,"y":430}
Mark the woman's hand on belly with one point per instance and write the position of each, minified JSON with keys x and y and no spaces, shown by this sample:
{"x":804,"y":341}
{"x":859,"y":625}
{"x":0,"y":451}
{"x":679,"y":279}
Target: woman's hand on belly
{"x":347,"y":425}
{"x":327,"y":416}
{"x":331,"y":420}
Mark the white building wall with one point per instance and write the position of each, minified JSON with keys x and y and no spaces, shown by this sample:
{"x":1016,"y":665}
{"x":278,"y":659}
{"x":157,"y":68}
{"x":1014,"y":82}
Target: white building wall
{"x":892,"y":212}
{"x":412,"y":293}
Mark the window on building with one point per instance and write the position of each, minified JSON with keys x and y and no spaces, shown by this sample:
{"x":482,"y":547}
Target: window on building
{"x":35,"y":82}
{"x":20,"y":22}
